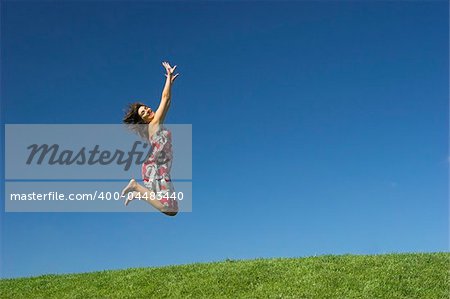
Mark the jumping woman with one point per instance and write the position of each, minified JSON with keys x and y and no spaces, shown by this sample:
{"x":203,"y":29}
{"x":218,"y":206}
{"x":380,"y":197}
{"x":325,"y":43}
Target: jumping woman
{"x":157,"y":185}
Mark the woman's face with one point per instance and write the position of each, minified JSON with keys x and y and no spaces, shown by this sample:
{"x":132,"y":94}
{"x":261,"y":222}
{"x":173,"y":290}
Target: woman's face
{"x":146,"y":113}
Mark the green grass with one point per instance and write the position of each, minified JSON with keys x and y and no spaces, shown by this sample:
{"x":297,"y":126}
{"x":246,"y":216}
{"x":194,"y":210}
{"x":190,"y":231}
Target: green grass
{"x":418,"y":275}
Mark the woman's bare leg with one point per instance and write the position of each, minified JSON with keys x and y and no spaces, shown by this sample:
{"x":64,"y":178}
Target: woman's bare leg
{"x":146,"y":194}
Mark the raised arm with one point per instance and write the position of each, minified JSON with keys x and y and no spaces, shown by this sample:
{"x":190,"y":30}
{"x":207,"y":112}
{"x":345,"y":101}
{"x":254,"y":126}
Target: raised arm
{"x":164,"y":105}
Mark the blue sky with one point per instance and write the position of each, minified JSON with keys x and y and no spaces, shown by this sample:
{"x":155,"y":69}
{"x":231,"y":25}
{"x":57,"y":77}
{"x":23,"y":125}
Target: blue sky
{"x":318,"y":127}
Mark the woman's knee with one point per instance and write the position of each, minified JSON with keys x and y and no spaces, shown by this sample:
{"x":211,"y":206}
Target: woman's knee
{"x":171,"y":213}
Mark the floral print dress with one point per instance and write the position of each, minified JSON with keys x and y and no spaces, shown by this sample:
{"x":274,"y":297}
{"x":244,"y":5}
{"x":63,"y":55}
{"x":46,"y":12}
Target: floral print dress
{"x":156,"y":169}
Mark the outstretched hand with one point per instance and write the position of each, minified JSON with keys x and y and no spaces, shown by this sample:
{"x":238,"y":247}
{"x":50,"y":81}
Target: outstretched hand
{"x":170,"y":71}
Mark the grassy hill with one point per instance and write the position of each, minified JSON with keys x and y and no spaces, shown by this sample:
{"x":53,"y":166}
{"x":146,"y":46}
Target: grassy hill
{"x":418,"y":275}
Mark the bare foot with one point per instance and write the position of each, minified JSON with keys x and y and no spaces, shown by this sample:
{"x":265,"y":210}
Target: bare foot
{"x":129,"y":188}
{"x":130,"y":197}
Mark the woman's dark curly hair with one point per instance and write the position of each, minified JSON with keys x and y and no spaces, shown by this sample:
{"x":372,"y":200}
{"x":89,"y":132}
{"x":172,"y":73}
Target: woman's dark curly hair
{"x":134,"y":121}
